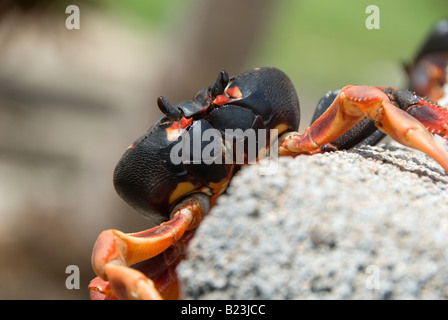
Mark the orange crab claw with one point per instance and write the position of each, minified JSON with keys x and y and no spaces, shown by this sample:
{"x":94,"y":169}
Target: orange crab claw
{"x":128,"y":284}
{"x":351,"y":105}
{"x":100,"y":290}
{"x":114,"y":251}
{"x":160,"y":269}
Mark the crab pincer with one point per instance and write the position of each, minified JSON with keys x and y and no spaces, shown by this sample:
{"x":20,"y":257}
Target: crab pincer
{"x":354,"y":103}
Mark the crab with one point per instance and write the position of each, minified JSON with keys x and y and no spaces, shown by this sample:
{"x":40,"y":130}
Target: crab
{"x":428,"y":72}
{"x":158,"y":183}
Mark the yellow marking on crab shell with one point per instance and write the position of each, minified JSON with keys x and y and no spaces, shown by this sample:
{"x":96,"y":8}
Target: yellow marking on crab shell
{"x":173,"y":132}
{"x":277,"y":131}
{"x":181,"y":189}
{"x":234,"y":92}
{"x":130,"y":146}
{"x":281,"y":128}
{"x":220,"y":186}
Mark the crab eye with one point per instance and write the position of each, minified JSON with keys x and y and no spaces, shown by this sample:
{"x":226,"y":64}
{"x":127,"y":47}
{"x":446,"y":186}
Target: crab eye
{"x":220,"y":84}
{"x":168,"y":109}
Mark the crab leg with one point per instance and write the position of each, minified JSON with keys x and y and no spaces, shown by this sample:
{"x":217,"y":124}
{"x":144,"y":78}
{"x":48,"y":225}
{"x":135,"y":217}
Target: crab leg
{"x":114,"y":251}
{"x":159,"y":269}
{"x":351,"y":105}
{"x":432,"y":116}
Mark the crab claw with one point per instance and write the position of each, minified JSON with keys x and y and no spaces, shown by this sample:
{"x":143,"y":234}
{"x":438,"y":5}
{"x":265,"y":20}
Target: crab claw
{"x":129,"y":284}
{"x":100,"y":290}
{"x":352,"y":104}
{"x":395,"y":122}
{"x":114,"y":251}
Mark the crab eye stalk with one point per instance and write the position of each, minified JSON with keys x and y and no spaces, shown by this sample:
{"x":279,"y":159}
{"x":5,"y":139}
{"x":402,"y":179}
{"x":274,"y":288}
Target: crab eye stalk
{"x":168,"y":109}
{"x":220,"y":84}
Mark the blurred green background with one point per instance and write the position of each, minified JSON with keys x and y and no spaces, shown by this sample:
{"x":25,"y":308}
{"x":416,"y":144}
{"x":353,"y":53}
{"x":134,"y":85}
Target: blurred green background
{"x":322,"y":44}
{"x":71,"y":101}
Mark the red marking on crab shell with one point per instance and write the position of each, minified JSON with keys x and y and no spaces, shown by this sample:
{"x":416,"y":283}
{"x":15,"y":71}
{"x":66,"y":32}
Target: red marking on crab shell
{"x":234,"y":92}
{"x":184,"y":122}
{"x":220,"y":100}
{"x":175,"y":130}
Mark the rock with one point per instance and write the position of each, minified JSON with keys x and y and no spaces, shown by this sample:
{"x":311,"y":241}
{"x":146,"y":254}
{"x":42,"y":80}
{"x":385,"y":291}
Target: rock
{"x":370,"y":223}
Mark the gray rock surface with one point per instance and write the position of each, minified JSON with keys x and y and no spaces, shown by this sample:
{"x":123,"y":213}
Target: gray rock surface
{"x":371,"y":223}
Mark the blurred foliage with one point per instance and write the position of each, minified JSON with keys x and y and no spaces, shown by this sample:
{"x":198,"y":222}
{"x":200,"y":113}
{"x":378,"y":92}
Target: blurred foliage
{"x":139,"y":12}
{"x":324,"y":44}
{"x":39,"y":6}
{"x":318,"y":43}
{"x":146,"y":13}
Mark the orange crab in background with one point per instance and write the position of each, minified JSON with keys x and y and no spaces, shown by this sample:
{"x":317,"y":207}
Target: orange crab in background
{"x":428,"y":74}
